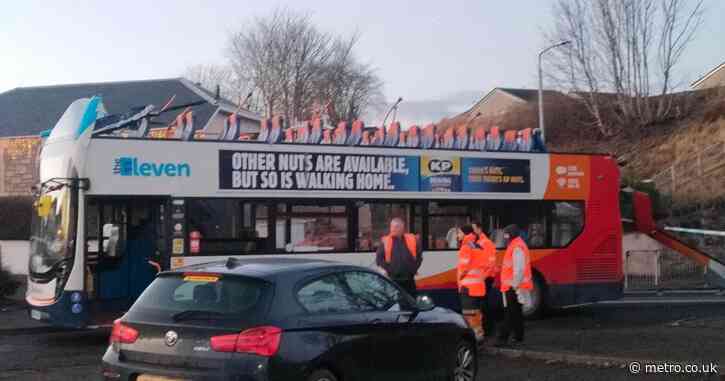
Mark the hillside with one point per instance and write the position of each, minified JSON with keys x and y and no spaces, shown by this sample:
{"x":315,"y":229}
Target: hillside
{"x":684,"y":157}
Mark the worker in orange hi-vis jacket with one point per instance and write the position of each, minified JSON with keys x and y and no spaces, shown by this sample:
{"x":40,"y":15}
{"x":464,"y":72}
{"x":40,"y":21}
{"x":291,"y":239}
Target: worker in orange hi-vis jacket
{"x":490,"y":272}
{"x":471,"y":289}
{"x":516,"y":285}
{"x":400,"y":256}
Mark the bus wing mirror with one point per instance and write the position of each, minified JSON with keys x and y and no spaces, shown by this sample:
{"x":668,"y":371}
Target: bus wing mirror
{"x":113,"y":243}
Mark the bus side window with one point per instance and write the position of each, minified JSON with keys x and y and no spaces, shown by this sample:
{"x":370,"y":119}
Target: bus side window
{"x":567,"y":221}
{"x":444,"y":220}
{"x":374,"y":220}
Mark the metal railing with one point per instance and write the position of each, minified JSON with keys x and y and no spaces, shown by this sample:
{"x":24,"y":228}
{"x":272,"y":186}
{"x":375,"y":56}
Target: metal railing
{"x":661,"y":270}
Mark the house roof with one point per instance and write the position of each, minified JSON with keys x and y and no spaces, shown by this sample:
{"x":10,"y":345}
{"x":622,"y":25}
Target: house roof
{"x":527,"y":95}
{"x":523,"y":95}
{"x":708,"y":75}
{"x":27,"y":111}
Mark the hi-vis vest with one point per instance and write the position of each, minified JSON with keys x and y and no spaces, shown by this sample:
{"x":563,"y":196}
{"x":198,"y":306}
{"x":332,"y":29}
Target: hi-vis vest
{"x":410,"y":242}
{"x":471,"y":260}
{"x":507,"y":270}
{"x":489,"y":251}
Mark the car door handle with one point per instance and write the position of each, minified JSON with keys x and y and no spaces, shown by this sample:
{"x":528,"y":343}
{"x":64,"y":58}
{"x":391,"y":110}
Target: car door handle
{"x":376,"y":321}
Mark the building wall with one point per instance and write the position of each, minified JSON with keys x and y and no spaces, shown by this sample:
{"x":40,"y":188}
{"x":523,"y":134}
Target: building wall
{"x":715,"y":80}
{"x":496,"y":104}
{"x":18,"y":165}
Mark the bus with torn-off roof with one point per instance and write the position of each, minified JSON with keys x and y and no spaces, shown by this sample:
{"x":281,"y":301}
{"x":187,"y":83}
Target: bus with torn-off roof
{"x":115,"y":206}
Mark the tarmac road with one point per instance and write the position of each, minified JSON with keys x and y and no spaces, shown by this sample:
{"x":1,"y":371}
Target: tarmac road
{"x":641,"y":330}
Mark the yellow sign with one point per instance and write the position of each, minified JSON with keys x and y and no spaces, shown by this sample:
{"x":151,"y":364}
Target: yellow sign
{"x":176,"y":263}
{"x":178,"y":246}
{"x":201,"y":278}
{"x":43,"y":206}
{"x":439,"y":166}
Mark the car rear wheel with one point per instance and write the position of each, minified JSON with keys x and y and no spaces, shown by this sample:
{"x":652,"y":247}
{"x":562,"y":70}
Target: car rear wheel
{"x":465,"y":363}
{"x":322,"y":375}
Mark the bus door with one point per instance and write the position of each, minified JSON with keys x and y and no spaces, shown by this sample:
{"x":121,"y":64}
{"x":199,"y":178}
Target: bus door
{"x":126,"y":247}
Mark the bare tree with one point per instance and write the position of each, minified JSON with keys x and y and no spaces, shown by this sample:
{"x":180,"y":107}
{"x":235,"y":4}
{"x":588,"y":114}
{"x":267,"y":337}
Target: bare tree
{"x":623,"y":55}
{"x":209,"y":76}
{"x":294,"y":67}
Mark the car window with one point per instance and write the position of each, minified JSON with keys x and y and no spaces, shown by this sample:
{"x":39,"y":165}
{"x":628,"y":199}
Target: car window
{"x":374,"y":291}
{"x":229,"y":295}
{"x":328,"y":294}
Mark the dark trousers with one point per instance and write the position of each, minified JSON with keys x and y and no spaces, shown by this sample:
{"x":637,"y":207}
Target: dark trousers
{"x":408,"y":285}
{"x":488,"y":308}
{"x":513,"y":318}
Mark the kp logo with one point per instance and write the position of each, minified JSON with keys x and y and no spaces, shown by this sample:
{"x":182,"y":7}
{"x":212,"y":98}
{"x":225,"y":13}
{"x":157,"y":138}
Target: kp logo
{"x":438,"y":166}
{"x":130,"y":166}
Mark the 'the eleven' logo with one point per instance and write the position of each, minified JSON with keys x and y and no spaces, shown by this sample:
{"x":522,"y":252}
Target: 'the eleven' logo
{"x":131,"y":166}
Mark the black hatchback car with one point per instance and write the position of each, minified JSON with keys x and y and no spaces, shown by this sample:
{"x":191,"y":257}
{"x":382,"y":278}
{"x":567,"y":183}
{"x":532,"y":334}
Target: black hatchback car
{"x":286,"y":319}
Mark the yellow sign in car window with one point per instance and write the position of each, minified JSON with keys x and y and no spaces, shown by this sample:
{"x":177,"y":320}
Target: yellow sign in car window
{"x":43,"y":205}
{"x":201,"y":278}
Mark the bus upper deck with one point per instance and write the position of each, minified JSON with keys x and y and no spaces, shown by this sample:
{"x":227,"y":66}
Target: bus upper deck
{"x":117,"y":204}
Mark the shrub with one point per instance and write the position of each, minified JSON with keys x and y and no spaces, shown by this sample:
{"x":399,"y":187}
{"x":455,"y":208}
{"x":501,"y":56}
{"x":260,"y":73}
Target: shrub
{"x":15,"y":217}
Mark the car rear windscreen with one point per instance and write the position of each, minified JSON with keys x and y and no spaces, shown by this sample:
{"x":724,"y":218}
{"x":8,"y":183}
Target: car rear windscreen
{"x":188,"y":297}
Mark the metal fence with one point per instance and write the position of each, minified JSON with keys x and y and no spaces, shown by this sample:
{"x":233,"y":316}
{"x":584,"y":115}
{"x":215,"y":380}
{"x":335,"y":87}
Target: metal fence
{"x":661,"y":270}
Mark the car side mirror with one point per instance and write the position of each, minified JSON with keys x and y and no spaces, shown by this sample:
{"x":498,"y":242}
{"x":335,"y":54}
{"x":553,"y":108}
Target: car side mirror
{"x":113,"y":243}
{"x":424,"y":303}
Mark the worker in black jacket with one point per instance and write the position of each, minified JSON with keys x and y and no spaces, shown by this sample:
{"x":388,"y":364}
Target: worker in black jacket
{"x":400,"y":256}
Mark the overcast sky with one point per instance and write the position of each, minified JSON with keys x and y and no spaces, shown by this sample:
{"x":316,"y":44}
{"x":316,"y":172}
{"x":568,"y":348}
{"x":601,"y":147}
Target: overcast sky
{"x":422,"y":49}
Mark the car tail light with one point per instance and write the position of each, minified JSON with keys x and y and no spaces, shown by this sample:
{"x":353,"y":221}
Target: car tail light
{"x":122,"y":333}
{"x":263,"y":341}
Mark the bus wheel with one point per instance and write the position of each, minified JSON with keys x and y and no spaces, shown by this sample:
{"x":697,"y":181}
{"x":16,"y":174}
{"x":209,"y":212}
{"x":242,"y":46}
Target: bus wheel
{"x":538,"y":299}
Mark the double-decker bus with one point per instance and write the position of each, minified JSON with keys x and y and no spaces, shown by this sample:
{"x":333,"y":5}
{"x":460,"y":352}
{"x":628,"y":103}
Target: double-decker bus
{"x":113,"y":210}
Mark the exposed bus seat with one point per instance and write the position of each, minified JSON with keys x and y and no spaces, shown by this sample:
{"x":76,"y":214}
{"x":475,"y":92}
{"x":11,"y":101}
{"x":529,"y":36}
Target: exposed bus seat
{"x":392,"y":135}
{"x":413,"y":137}
{"x":303,"y":132}
{"x":289,"y":135}
{"x":365,"y":139}
{"x":478,"y":139}
{"x":189,"y":127}
{"x":326,"y":136}
{"x":526,"y":143}
{"x":316,"y":131}
{"x":264,"y":127}
{"x":462,"y":138}
{"x":428,"y":137}
{"x":233,"y":132}
{"x":378,"y":137}
{"x":509,"y":140}
{"x":537,"y":143}
{"x":276,"y":134}
{"x":493,"y":140}
{"x":449,"y":139}
{"x":341,"y":133}
{"x":143,"y":128}
{"x":356,"y":133}
{"x":402,"y":141}
{"x":223,"y":134}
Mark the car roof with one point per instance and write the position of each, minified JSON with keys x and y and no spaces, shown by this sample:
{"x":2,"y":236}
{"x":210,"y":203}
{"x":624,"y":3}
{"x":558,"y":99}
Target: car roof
{"x":266,"y":268}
